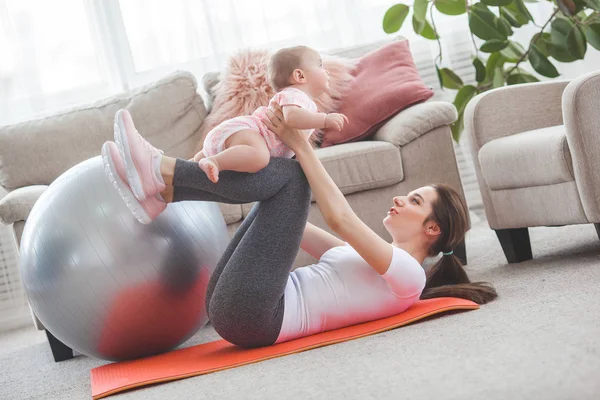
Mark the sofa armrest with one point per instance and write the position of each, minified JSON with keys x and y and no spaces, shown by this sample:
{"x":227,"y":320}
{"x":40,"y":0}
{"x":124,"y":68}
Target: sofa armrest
{"x":582,"y":122}
{"x":17,"y":205}
{"x":415,"y":121}
{"x":513,"y":109}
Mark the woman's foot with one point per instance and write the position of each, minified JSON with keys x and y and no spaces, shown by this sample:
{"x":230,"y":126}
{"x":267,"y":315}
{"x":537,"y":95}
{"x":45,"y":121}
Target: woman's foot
{"x":144,"y":211}
{"x":210,"y":168}
{"x":140,"y":158}
{"x":167,"y":194}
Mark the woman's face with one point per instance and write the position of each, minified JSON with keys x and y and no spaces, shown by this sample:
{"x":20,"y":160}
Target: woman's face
{"x":407,"y":214}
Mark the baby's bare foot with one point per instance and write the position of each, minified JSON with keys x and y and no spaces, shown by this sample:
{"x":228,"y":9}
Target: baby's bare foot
{"x":210,"y":168}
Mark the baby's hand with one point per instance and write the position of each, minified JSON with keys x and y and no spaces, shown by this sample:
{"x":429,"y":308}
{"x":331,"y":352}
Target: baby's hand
{"x":335,"y":121}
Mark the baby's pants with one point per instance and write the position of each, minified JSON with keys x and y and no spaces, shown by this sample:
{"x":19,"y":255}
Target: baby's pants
{"x":214,"y":142}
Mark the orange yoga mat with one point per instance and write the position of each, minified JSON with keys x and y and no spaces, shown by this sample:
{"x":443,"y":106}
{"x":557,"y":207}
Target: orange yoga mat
{"x":217,"y":356}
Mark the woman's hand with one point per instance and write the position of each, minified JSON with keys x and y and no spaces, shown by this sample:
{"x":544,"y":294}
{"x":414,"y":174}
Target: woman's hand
{"x":293,"y":138}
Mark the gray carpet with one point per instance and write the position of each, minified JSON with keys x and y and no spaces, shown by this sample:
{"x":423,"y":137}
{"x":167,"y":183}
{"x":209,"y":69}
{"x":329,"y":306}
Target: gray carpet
{"x":539,"y":340}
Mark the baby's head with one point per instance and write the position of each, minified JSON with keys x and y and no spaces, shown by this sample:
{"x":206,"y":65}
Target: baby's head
{"x":299,"y":65}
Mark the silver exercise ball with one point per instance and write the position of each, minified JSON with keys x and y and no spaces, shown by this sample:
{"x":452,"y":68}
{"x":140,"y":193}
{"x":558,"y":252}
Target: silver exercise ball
{"x":108,"y":286}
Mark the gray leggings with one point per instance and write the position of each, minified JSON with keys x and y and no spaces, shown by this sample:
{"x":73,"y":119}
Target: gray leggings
{"x":245,"y":293}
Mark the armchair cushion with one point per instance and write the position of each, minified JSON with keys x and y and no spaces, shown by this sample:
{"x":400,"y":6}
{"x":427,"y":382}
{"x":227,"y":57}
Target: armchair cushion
{"x":507,"y":110}
{"x":414,"y":121}
{"x":534,"y":158}
{"x":17,"y":205}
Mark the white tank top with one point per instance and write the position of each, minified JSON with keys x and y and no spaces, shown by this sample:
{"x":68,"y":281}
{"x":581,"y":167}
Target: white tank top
{"x":342,"y":290}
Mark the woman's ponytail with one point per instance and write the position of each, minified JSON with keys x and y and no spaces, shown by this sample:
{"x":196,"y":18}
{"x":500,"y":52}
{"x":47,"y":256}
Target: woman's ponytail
{"x":447,"y":277}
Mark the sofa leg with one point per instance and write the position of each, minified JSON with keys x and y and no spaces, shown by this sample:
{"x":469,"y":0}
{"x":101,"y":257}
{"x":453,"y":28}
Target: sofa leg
{"x":597,"y":226}
{"x":461,"y":252}
{"x":515,"y":244}
{"x":60,"y":351}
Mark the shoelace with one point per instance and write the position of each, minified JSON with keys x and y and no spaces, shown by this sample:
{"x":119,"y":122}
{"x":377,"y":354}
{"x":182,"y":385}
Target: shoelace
{"x":148,"y":146}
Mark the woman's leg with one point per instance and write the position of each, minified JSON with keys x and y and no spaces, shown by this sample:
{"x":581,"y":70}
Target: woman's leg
{"x":245,"y":293}
{"x":233,"y":187}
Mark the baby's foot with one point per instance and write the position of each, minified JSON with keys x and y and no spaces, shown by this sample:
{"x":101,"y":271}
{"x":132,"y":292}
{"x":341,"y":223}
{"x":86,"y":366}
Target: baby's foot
{"x":210,"y":168}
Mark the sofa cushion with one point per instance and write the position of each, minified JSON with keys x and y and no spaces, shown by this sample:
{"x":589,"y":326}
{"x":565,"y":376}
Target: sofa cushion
{"x":355,"y":167}
{"x":386,"y":81}
{"x":415,"y":121}
{"x":167,"y":112}
{"x":533,"y":158}
{"x":231,"y":212}
{"x":17,"y":205}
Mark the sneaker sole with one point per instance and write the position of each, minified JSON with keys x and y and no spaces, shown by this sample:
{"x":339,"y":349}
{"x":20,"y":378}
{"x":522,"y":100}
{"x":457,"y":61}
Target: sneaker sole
{"x":133,"y":176}
{"x":128,"y":197}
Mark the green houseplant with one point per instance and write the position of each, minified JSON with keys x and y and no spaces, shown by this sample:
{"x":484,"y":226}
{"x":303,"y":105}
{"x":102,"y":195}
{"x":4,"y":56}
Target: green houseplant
{"x":498,"y":60}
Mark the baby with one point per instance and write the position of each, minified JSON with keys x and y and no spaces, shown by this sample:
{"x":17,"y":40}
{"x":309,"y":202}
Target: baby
{"x":245,"y":144}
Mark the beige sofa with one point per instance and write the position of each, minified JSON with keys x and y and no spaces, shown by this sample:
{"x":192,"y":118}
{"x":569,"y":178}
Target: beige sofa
{"x":412,"y":149}
{"x":536,"y":149}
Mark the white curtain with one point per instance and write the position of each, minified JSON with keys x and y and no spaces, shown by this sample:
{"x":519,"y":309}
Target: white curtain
{"x":60,"y":53}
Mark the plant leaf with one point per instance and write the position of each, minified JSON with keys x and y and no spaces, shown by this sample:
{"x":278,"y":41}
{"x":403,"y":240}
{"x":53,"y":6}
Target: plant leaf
{"x":420,"y":9}
{"x":464,"y":95}
{"x":510,"y":17}
{"x":479,"y":70}
{"x":541,"y":42}
{"x":559,"y":53}
{"x":485,"y":25}
{"x":580,"y":6}
{"x":498,"y":79}
{"x":560,"y":29}
{"x":518,"y":11}
{"x":520,"y":77}
{"x":494,"y":61}
{"x":496,"y":3}
{"x":541,"y":64}
{"x":504,"y":26}
{"x":513,"y":52}
{"x":593,"y":4}
{"x":439,"y":75}
{"x":567,"y":7}
{"x":493,"y":45}
{"x":592,"y":34}
{"x":450,"y":80}
{"x":576,"y":43}
{"x":457,"y":127}
{"x":523,"y":10}
{"x":557,"y":46}
{"x":423,"y":28}
{"x":418,"y":26}
{"x":451,"y":7}
{"x":394,"y":18}
{"x":428,"y":32}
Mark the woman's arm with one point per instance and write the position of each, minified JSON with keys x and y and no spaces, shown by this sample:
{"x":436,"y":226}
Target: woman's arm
{"x":333,"y":205}
{"x":339,"y":215}
{"x":316,"y":241}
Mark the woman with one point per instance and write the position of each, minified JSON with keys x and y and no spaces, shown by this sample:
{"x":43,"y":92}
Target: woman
{"x":252,"y":298}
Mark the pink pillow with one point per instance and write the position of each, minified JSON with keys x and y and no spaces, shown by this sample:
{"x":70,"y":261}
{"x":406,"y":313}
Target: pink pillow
{"x":386,"y":82}
{"x":244,"y":87}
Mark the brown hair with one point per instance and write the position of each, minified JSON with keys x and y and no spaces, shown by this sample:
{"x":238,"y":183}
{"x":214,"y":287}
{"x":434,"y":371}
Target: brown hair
{"x":283,"y":63}
{"x":447,"y":277}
